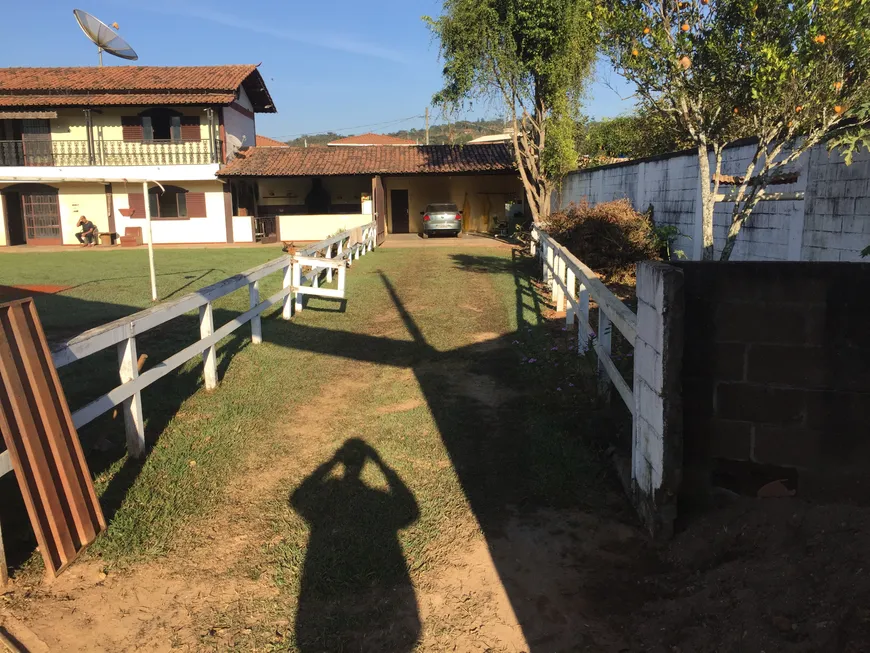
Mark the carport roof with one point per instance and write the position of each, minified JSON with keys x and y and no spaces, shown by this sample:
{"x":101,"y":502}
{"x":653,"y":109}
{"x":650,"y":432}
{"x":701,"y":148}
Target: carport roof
{"x":332,"y":161}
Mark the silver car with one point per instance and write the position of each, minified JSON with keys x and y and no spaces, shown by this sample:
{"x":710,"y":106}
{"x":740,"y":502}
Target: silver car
{"x":442,"y":219}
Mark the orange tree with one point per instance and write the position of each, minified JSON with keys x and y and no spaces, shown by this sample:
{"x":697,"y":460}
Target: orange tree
{"x":789,"y":74}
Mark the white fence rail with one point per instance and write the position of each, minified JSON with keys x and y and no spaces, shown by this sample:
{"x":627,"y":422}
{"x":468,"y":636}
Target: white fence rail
{"x":301,"y":276}
{"x":573,"y":283}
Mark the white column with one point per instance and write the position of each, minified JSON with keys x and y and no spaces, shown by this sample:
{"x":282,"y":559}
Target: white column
{"x":150,"y":241}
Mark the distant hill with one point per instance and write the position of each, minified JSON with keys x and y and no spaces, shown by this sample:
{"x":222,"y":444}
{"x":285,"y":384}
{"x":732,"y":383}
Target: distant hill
{"x":457,"y":133}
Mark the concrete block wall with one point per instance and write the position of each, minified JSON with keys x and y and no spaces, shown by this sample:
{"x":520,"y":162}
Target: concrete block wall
{"x":831,"y":223}
{"x":656,"y":462}
{"x":776,"y":372}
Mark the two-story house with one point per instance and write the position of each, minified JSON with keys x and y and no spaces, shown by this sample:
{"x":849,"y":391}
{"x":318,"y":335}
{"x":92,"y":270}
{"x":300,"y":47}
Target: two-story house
{"x":74,"y":142}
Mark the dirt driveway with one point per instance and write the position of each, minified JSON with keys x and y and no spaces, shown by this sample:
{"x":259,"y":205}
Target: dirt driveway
{"x":422,"y":472}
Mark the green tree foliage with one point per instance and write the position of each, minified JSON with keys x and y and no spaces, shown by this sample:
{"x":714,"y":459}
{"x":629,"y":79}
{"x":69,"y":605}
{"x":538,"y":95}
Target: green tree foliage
{"x":790,"y":74}
{"x":534,"y":58}
{"x":633,"y":136}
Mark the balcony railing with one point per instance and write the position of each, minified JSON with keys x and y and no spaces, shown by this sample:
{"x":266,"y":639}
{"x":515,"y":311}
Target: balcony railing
{"x":108,"y":153}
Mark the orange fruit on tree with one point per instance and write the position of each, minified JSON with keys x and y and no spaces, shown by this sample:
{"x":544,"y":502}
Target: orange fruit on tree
{"x":736,"y":111}
{"x":634,"y":52}
{"x":685,"y":62}
{"x":646,"y":30}
{"x":838,"y":109}
{"x":821,"y":38}
{"x":685,"y":27}
{"x":798,"y":108}
{"x":838,"y":85}
{"x":705,"y":2}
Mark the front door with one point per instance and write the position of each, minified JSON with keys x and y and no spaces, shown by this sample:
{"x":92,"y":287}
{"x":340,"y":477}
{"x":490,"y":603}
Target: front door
{"x":41,"y":218}
{"x":14,"y":219}
{"x":399,"y":211}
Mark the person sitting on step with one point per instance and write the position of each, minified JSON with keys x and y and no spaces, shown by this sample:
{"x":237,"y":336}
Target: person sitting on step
{"x":89,"y":233}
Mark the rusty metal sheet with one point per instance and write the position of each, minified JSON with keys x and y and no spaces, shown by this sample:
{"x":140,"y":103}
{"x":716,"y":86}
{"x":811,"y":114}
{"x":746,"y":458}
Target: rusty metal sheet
{"x":43,"y":444}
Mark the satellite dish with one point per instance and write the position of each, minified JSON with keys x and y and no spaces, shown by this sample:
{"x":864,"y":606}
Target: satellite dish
{"x":104,"y":36}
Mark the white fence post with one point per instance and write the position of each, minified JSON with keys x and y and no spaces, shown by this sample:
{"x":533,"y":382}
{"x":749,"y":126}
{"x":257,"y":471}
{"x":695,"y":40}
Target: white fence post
{"x":582,"y":333}
{"x":604,"y":333}
{"x":558,"y":293}
{"x":571,"y":282}
{"x":134,"y":425}
{"x":287,"y":310}
{"x":209,"y":354}
{"x":548,"y":274}
{"x":256,"y":323}
{"x":297,"y":281}
{"x":342,"y":278}
{"x":329,"y":270}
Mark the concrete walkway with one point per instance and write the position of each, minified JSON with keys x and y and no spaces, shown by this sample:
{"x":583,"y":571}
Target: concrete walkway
{"x":466,"y":241}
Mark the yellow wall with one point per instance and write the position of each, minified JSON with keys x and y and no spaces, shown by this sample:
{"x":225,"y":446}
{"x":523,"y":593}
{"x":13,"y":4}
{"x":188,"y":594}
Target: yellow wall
{"x":3,"y":241}
{"x":78,"y":200}
{"x":70,"y":124}
{"x":317,"y":227}
{"x":480,"y":196}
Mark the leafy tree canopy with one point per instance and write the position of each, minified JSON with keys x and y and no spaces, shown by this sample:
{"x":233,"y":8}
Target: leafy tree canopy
{"x":531,"y":56}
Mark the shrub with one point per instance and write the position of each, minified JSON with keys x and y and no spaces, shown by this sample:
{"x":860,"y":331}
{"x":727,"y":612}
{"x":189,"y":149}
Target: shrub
{"x":610,"y":237}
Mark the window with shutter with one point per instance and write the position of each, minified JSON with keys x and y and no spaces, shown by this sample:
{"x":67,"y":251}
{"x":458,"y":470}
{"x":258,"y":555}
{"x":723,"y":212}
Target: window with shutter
{"x":196,"y":205}
{"x":136,"y":201}
{"x":131,"y":127}
{"x":190,"y":128}
{"x":171,"y":203}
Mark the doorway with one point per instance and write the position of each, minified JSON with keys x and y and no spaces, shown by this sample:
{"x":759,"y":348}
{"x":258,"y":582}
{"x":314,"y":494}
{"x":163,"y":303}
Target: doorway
{"x":33,"y":215}
{"x":399,"y":211}
{"x":14,"y":219}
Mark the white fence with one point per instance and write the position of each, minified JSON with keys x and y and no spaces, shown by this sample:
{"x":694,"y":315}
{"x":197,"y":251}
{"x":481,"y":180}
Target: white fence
{"x":573,"y":283}
{"x":302,"y":272}
{"x":655,"y":334}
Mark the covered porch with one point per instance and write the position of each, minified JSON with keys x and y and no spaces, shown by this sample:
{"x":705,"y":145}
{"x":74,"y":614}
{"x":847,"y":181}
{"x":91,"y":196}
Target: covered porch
{"x":303,"y":194}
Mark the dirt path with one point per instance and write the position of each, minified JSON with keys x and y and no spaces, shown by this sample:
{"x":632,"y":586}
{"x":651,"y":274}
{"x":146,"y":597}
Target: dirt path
{"x":430,"y":494}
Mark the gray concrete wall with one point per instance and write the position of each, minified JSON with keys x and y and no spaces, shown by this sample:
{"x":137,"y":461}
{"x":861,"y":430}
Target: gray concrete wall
{"x":831,"y":223}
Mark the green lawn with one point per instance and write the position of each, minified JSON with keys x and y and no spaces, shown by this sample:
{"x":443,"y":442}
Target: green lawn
{"x":106,"y":285}
{"x":467,"y":399}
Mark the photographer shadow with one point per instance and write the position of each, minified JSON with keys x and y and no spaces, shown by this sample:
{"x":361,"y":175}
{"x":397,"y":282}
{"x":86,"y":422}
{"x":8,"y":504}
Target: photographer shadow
{"x":356,"y":592}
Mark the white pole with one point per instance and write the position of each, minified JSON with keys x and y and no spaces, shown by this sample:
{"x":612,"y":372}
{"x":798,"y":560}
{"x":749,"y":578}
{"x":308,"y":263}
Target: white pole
{"x":150,"y":241}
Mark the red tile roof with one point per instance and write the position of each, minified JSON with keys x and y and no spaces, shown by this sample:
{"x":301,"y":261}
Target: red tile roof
{"x":109,"y":85}
{"x":372,"y":139}
{"x":115,"y":99}
{"x":265,"y":141}
{"x":327,"y":161}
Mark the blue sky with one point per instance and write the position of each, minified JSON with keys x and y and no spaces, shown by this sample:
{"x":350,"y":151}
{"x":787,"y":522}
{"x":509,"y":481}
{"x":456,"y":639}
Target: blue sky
{"x":340,"y":65}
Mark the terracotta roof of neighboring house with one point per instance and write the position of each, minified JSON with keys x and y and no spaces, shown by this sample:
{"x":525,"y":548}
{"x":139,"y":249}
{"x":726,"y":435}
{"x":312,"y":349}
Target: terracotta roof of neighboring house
{"x":372,"y":139}
{"x":327,"y":161}
{"x":114,"y":99}
{"x":265,"y":141}
{"x":117,"y":85}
